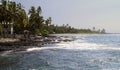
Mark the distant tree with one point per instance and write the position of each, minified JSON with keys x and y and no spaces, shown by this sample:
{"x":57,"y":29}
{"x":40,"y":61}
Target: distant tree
{"x":93,"y":28}
{"x":103,"y":31}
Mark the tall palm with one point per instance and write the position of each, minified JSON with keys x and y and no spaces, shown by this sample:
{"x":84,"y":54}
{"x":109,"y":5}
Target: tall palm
{"x":18,"y":16}
{"x":23,"y":18}
{"x":13,"y":13}
{"x":4,"y":15}
{"x":48,"y":23}
{"x":35,"y":20}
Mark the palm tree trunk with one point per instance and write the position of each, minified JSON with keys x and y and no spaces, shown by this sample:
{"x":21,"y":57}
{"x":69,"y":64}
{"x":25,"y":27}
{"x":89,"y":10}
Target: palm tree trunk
{"x":12,"y":28}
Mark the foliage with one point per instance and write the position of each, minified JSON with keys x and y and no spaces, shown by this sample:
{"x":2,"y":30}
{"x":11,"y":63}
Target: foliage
{"x":33,"y":21}
{"x":68,"y":29}
{"x":45,"y":33}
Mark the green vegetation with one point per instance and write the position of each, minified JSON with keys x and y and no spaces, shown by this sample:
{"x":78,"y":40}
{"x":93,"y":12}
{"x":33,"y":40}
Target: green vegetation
{"x":68,"y":29}
{"x":15,"y":20}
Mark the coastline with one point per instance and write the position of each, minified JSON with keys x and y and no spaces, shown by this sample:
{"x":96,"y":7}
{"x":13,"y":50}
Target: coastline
{"x":20,"y":44}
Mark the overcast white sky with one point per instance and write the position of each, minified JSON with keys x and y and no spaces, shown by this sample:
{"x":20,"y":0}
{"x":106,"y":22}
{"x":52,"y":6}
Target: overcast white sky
{"x":80,"y":13}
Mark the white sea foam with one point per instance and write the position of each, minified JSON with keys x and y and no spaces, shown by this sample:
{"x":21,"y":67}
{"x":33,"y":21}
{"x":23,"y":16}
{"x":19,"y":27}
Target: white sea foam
{"x":32,"y":49}
{"x":89,"y":46}
{"x":75,"y":45}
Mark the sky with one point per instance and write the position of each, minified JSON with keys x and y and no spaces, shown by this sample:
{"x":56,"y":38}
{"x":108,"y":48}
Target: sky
{"x":80,"y":13}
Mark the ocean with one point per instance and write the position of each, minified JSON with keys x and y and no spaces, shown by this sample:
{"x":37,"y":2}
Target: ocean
{"x":86,"y":52}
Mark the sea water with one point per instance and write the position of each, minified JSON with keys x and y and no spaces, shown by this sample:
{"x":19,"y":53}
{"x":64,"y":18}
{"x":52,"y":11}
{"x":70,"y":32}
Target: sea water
{"x":86,"y":52}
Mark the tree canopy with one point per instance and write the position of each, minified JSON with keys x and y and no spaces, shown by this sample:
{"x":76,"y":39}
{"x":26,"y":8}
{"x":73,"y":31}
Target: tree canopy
{"x":13,"y":15}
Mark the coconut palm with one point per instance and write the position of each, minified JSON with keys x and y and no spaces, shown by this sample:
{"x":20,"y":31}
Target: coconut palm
{"x":4,"y":16}
{"x":35,"y":20}
{"x":47,"y":24}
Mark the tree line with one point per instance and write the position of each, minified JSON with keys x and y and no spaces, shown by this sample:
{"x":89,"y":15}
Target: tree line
{"x":68,"y":29}
{"x":15,"y":20}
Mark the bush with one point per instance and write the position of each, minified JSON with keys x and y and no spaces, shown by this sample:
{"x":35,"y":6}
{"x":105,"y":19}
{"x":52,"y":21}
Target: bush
{"x":45,"y":33}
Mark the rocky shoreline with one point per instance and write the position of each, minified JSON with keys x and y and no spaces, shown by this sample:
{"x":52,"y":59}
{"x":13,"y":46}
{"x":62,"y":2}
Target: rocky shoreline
{"x":21,"y":44}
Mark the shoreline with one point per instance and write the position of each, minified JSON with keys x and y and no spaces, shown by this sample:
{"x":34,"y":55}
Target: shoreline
{"x":24,"y":44}
{"x":19,"y":43}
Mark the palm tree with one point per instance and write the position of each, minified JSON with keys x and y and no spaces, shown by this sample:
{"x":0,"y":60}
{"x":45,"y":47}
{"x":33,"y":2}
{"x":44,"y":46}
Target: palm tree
{"x":4,"y":15}
{"x":7,"y":14}
{"x":47,"y":24}
{"x":35,"y":20}
{"x":13,"y":13}
{"x":18,"y":15}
